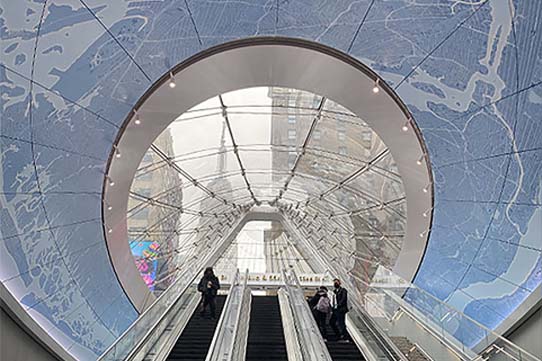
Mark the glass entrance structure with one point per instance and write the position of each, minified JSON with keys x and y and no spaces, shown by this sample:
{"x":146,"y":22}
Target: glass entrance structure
{"x":138,"y":138}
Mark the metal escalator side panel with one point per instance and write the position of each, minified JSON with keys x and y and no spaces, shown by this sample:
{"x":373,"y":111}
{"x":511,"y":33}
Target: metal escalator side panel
{"x":290,"y":335}
{"x":229,"y":340}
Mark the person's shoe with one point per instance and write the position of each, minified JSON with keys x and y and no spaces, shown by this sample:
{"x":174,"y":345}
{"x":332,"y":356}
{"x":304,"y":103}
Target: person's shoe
{"x":325,"y":340}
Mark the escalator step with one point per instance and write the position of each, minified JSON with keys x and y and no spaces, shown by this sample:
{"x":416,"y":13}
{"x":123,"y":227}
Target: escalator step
{"x":194,"y":342}
{"x":265,"y":333}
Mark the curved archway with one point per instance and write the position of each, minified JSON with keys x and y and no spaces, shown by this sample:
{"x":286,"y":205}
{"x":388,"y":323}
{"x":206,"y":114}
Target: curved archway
{"x":269,"y":62}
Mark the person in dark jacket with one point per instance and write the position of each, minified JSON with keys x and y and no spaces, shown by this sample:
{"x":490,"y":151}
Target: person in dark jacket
{"x":208,"y":286}
{"x":340,"y":308}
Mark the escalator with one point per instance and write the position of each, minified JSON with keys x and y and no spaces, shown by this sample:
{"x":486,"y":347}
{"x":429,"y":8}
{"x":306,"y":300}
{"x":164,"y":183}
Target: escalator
{"x":340,"y":351}
{"x":194,"y":342}
{"x":265,"y":333}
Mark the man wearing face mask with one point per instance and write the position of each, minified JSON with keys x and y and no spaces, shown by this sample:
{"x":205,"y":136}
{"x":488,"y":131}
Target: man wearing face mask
{"x":340,"y":308}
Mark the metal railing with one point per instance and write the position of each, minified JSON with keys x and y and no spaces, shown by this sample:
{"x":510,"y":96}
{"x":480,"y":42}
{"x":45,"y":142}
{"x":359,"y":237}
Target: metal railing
{"x":146,"y":330}
{"x":311,"y":342}
{"x":230,"y":338}
{"x":394,"y":307}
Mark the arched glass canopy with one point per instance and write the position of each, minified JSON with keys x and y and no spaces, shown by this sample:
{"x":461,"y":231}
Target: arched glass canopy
{"x":285,"y":148}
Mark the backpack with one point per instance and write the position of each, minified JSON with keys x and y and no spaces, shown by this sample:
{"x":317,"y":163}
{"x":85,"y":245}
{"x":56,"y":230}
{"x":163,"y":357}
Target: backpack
{"x":323,"y":305}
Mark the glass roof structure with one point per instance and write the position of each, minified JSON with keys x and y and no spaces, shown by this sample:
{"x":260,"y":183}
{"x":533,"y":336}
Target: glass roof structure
{"x":73,"y":71}
{"x":281,"y":147}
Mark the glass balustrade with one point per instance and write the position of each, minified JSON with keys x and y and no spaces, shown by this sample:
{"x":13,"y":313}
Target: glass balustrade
{"x":402,"y":309}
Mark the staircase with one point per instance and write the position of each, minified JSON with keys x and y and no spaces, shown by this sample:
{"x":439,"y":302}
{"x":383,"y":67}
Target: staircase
{"x":265,"y":333}
{"x":410,"y":350}
{"x":194,"y":342}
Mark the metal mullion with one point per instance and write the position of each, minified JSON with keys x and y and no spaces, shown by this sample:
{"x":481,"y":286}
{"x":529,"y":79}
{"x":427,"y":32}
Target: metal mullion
{"x":150,"y":201}
{"x":185,"y":174}
{"x":198,"y":200}
{"x":356,"y":192}
{"x":350,"y":177}
{"x":235,"y":148}
{"x":303,"y":148}
{"x":380,"y":207}
{"x":334,"y":236}
{"x":195,"y":156}
{"x":195,"y":217}
{"x":378,"y":231}
{"x":358,"y":172}
{"x":337,"y":157}
{"x":381,"y":234}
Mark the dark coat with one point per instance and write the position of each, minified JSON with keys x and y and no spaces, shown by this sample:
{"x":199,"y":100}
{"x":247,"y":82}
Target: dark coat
{"x":341,"y":296}
{"x":208,"y":291}
{"x":313,"y":301}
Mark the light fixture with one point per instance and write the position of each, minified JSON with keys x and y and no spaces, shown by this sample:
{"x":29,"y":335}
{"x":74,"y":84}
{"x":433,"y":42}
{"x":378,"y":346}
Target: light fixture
{"x":109,"y":230}
{"x":117,"y":152}
{"x":137,"y":120}
{"x":405,"y":126}
{"x":426,"y":213}
{"x":109,"y":208}
{"x":420,"y":160}
{"x":376,"y":89}
{"x":111,"y":182}
{"x":426,"y":189}
{"x":172,"y":81}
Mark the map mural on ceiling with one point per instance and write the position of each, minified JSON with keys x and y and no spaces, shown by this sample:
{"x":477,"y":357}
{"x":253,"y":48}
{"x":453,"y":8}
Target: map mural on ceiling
{"x":469,"y":71}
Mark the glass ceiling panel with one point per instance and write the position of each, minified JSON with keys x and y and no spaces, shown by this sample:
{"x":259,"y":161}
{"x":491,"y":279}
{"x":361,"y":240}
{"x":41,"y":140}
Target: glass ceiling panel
{"x":315,"y":164}
{"x":270,"y":127}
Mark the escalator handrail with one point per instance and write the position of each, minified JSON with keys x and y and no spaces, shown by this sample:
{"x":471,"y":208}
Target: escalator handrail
{"x":225,"y":310}
{"x":190,"y":266}
{"x":159,"y":319}
{"x":318,"y":349}
{"x":245,"y":295}
{"x":215,"y":348}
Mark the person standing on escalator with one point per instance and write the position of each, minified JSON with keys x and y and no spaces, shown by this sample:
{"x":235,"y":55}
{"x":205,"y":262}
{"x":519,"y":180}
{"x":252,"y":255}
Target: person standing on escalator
{"x":340,"y":308}
{"x":321,"y":309}
{"x":208,"y":286}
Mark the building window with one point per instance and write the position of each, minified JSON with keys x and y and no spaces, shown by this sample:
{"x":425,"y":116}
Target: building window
{"x":291,"y":119}
{"x":141,"y":214}
{"x":316,"y":101}
{"x":145,"y":192}
{"x":291,"y":159}
{"x":147,"y":158}
{"x":147,"y":175}
{"x":342,"y":150}
{"x":341,"y":134}
{"x":317,"y":134}
{"x":291,"y":102}
{"x":291,"y":134}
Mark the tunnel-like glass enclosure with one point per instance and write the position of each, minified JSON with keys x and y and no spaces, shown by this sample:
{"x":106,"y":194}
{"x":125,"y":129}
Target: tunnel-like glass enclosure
{"x":274,"y":146}
{"x":392,"y":143}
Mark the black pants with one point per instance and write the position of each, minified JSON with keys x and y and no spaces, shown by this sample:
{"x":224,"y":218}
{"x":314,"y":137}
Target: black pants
{"x":321,"y":319}
{"x":338,"y":323}
{"x":208,"y":300}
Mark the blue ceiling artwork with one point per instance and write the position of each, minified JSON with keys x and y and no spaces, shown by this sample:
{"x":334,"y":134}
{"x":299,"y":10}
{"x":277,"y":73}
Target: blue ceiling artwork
{"x":470,"y":72}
